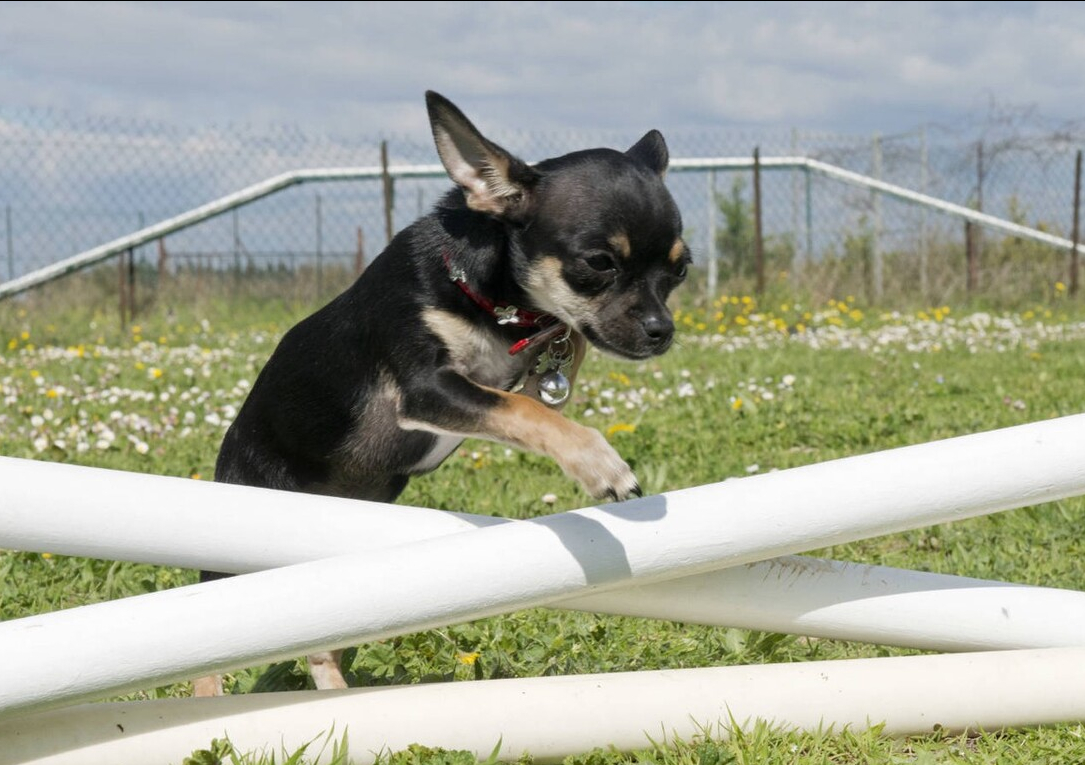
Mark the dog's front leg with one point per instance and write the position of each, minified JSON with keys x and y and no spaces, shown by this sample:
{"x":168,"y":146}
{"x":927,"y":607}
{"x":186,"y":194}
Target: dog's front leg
{"x":448,"y":403}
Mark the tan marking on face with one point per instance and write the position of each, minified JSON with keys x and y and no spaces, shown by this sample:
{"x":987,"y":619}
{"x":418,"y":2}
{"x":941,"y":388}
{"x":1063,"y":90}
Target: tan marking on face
{"x":678,"y":249}
{"x":551,"y":293}
{"x":620,"y":243}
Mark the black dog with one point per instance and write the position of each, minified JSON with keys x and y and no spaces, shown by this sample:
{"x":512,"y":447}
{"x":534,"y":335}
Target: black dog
{"x":493,"y":292}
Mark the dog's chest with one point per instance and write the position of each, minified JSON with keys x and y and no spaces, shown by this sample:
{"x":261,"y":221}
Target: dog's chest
{"x":477,"y":353}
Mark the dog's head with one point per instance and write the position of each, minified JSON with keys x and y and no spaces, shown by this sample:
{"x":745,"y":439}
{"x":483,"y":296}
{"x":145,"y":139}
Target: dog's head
{"x":596,"y":237}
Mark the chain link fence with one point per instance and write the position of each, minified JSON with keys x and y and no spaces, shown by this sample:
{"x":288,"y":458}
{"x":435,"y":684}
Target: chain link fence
{"x":68,"y":183}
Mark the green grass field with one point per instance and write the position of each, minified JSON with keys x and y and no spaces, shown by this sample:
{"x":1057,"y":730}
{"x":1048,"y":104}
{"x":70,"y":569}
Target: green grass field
{"x":748,"y":389}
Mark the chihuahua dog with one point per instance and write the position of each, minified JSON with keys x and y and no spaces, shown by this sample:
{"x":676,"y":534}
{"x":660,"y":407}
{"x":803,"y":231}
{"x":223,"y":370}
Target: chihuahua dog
{"x":472,"y":323}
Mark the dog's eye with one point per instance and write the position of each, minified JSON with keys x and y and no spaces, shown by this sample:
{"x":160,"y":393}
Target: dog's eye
{"x":683,"y":269}
{"x":600,"y":262}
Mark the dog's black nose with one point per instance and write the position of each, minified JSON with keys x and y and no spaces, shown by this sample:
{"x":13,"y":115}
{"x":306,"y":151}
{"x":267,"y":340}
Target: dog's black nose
{"x":656,"y":327}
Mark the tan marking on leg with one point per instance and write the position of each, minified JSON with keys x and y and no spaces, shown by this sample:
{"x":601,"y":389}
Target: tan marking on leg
{"x":583,"y":453}
{"x":211,"y":685}
{"x":678,"y":249}
{"x":324,"y":669}
{"x":620,"y":242}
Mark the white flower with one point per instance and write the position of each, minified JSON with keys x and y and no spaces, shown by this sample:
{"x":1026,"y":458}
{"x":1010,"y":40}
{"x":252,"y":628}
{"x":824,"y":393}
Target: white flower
{"x":788,"y":380}
{"x":37,"y":421}
{"x":142,"y":447}
{"x":753,"y":468}
{"x":41,"y":443}
{"x":549,"y":499}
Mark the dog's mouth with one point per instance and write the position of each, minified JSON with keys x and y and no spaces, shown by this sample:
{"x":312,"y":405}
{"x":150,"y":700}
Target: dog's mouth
{"x":637,"y":350}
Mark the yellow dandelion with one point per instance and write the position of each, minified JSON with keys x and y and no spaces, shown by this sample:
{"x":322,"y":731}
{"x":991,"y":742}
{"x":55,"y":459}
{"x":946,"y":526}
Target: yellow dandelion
{"x":13,"y":344}
{"x":467,"y":658}
{"x":1060,"y":287}
{"x":51,"y":393}
{"x":25,"y":335}
{"x":140,"y":365}
{"x":621,"y":427}
{"x":736,"y":405}
{"x":195,"y":476}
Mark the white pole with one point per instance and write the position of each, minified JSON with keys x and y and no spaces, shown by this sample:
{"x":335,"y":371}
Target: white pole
{"x":274,"y":615}
{"x":554,"y":717}
{"x":72,"y":510}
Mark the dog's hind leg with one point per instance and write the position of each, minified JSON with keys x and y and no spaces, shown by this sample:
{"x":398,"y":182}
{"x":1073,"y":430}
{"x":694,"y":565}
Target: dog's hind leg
{"x":325,"y":671}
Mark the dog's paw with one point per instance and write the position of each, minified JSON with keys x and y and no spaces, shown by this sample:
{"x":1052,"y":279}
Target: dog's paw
{"x":601,"y":470}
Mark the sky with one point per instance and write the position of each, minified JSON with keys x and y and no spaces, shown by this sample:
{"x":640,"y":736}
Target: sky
{"x":362,"y":68}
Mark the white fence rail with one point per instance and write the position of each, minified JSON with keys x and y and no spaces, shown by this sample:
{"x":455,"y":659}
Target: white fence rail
{"x":276,"y":614}
{"x":286,"y":180}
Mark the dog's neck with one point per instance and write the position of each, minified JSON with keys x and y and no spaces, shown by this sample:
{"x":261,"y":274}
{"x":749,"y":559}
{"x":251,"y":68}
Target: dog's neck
{"x":483,"y":249}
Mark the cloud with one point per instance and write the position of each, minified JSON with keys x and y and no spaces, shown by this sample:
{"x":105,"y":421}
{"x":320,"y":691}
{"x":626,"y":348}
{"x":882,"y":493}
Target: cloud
{"x":362,"y":67}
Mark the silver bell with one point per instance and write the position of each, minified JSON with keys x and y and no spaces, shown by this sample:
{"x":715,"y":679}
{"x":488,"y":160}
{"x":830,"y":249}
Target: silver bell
{"x":554,"y":388}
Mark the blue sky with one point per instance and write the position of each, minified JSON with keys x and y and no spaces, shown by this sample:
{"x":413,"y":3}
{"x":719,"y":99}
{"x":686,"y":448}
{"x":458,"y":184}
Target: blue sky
{"x":362,"y":67}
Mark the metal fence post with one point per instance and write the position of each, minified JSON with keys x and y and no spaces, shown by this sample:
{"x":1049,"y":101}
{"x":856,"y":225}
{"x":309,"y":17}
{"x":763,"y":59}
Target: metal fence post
{"x":10,"y":242}
{"x":1076,"y":237}
{"x":758,"y":241}
{"x":924,"y":252}
{"x":809,"y":216}
{"x":710,"y":245}
{"x":319,"y":248}
{"x":796,"y":195}
{"x":237,"y":251}
{"x":389,"y":194}
{"x":876,"y":283}
{"x":971,"y":256}
{"x":122,"y":287}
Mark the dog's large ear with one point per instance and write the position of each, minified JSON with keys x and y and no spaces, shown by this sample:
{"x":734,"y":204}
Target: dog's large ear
{"x":493,"y":181}
{"x":651,"y":150}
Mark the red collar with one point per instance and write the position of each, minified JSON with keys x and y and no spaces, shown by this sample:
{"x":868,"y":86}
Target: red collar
{"x":507,"y":314}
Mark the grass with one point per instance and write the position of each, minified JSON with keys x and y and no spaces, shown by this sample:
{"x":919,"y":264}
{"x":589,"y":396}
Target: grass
{"x":749,"y":388}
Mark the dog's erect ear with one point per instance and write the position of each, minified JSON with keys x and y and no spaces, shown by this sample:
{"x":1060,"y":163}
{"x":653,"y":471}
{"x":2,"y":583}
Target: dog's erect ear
{"x":651,"y":150}
{"x":493,"y":181}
